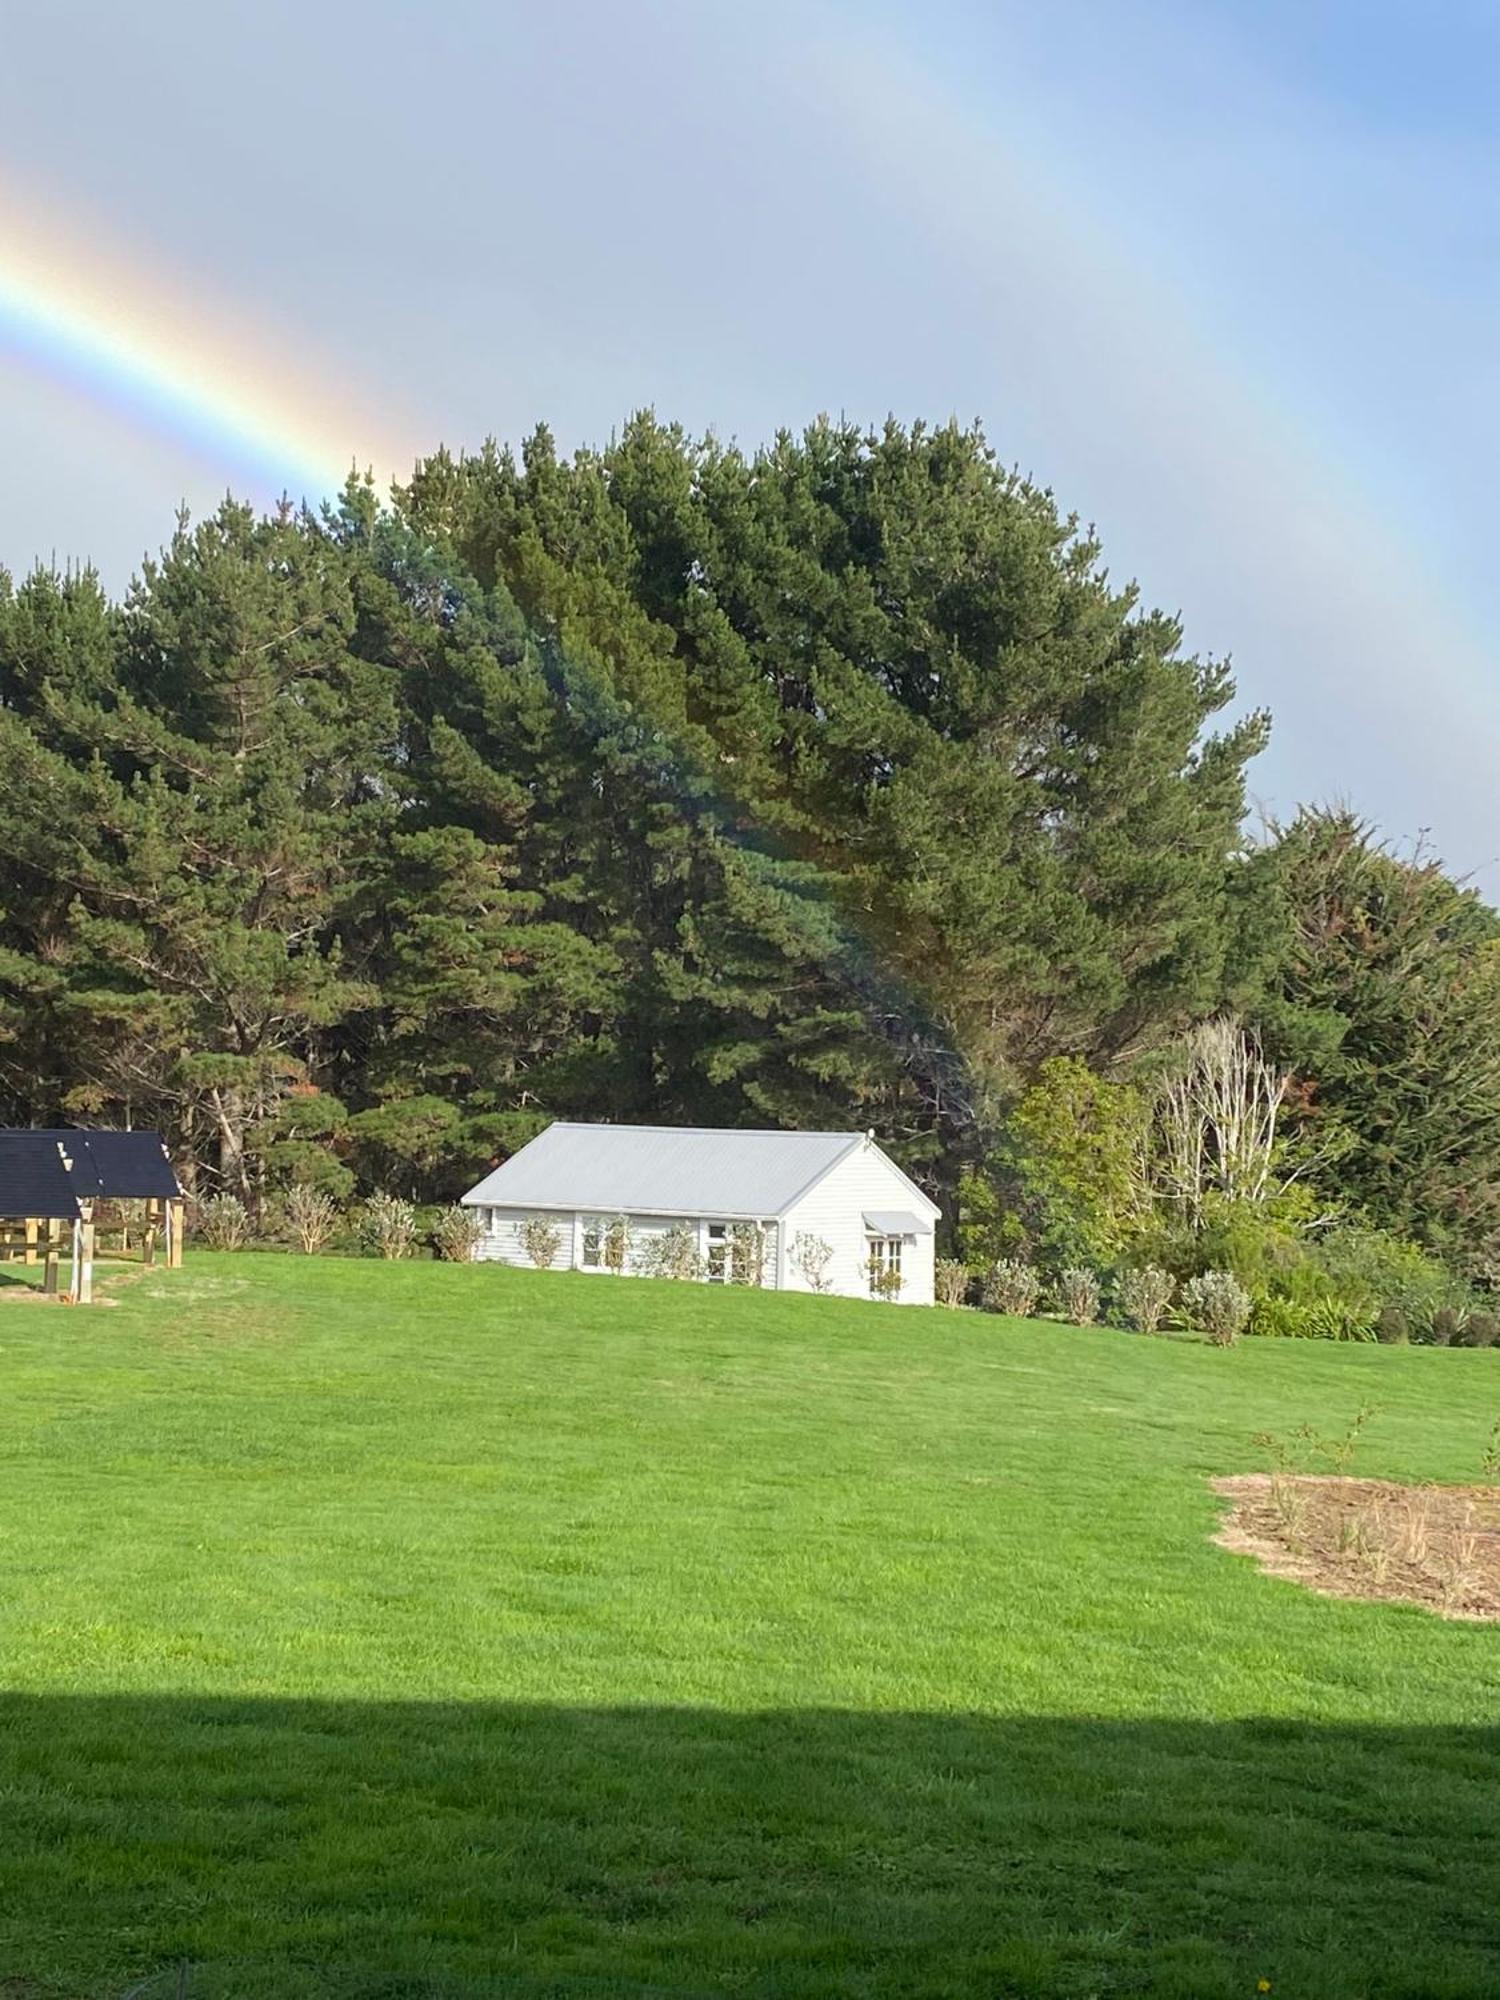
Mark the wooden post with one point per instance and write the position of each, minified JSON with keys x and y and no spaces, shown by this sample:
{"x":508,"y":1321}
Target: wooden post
{"x":83,"y":1258}
{"x":31,"y":1235}
{"x":148,"y":1239}
{"x":174,"y":1235}
{"x":54,"y":1252}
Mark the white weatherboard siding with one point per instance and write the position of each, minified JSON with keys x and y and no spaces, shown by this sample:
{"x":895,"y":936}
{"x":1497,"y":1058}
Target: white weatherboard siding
{"x":835,"y":1185}
{"x":835,"y":1209}
{"x":502,"y":1244}
{"x":503,"y":1240}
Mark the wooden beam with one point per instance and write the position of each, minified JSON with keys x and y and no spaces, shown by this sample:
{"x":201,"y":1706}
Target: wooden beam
{"x":54,"y":1254}
{"x":31,"y":1235}
{"x":174,"y":1235}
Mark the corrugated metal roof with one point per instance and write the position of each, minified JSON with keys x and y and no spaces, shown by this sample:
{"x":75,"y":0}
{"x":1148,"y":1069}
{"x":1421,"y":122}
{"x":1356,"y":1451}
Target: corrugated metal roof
{"x":663,"y":1170}
{"x":34,"y":1180}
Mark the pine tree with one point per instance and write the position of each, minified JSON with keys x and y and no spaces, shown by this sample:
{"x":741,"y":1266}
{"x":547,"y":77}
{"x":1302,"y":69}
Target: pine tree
{"x":220,"y":776}
{"x":1385,"y":1005}
{"x":909,"y":671}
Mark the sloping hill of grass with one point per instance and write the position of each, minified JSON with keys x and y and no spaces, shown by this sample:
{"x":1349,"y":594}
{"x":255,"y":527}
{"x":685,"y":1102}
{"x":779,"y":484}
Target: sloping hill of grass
{"x":395,"y":1629}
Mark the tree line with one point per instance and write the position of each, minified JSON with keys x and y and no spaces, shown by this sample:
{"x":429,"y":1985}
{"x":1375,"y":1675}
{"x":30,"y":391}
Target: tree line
{"x":832,"y":784}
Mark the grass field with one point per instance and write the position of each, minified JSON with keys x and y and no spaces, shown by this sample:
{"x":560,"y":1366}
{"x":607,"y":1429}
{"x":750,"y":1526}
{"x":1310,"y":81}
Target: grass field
{"x":404,"y":1629}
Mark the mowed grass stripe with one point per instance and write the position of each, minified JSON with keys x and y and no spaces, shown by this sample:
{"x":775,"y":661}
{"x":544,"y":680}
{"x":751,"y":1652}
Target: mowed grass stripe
{"x":374,"y":1624}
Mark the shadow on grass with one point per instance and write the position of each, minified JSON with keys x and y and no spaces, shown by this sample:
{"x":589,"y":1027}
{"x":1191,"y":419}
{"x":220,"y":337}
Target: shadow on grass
{"x":289,"y":1848}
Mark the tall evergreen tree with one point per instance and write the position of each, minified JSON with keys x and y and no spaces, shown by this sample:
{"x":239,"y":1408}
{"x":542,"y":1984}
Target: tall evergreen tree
{"x":903,"y":664}
{"x":1385,"y":1005}
{"x":217,"y":767}
{"x":831,"y":784}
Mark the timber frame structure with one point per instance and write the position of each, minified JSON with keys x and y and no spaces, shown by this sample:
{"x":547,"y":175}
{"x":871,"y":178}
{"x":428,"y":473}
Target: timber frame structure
{"x":48,"y":1178}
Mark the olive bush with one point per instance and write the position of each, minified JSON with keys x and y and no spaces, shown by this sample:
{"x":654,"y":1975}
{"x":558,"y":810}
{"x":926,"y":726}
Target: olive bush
{"x":1219,"y":1303}
{"x":456,"y":1233}
{"x":1145,"y":1294}
{"x":1011,"y":1287}
{"x":541,"y":1239}
{"x":388,"y":1225}
{"x":1077,"y":1295}
{"x":224,"y":1222}
{"x":951,"y":1281}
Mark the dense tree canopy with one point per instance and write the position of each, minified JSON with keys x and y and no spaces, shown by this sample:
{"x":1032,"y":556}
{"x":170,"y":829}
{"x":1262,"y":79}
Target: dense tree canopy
{"x":909,"y":669}
{"x":832,"y":784}
{"x":1384,"y":1004}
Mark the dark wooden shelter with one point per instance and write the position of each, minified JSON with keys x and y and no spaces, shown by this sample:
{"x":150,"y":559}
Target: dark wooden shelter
{"x":56,"y":1176}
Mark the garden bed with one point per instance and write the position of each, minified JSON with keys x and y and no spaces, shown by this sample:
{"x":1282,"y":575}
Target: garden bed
{"x":1436,"y":1546}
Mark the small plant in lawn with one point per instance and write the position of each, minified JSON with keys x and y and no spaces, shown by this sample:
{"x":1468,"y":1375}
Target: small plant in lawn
{"x":1145,"y":1294}
{"x":1372,"y":1541}
{"x":1457,"y":1573}
{"x":388,"y":1225}
{"x":224,"y":1222}
{"x":1291,"y":1507}
{"x":812,"y":1256}
{"x":1303,"y":1446}
{"x":309,"y":1216}
{"x":1286,"y":1495}
{"x":1078,"y":1295}
{"x":1219,"y":1303}
{"x":1339,"y":1451}
{"x":615,"y":1247}
{"x":1011,"y":1287}
{"x":951,"y":1281}
{"x":541,"y":1239}
{"x":1414,"y":1527}
{"x":456,"y":1233}
{"x":672,"y":1254}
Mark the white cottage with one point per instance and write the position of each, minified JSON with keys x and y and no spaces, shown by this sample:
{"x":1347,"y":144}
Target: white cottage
{"x":754,"y":1204}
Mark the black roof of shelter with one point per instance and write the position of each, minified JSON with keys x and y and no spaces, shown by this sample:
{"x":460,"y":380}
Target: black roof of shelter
{"x":94,"y":1165}
{"x":34,"y":1177}
{"x":125,"y":1165}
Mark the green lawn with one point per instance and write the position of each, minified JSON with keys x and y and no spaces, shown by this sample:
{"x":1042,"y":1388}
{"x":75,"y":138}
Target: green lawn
{"x":409,"y":1629}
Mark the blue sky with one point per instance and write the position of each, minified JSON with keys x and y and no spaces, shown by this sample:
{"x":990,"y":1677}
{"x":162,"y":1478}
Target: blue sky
{"x":1225,"y":276}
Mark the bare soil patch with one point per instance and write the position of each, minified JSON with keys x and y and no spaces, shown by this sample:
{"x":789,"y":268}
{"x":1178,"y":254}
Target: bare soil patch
{"x":1436,"y":1546}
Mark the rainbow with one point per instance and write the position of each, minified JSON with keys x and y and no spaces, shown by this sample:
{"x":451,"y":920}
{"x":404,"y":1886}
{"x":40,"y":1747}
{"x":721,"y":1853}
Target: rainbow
{"x":169,"y":362}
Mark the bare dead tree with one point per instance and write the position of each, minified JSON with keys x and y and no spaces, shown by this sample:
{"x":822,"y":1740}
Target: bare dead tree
{"x":1216,"y":1119}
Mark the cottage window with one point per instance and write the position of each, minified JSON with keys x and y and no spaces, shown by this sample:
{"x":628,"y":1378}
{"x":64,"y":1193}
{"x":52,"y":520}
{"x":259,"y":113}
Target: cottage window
{"x":885,"y":1258}
{"x":716,"y":1253}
